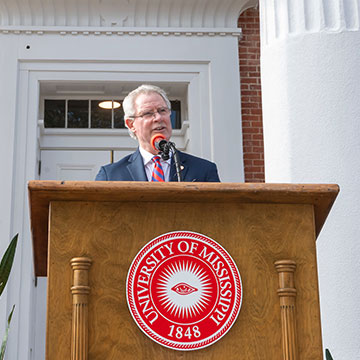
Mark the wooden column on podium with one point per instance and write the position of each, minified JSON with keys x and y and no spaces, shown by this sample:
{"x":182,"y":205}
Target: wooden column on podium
{"x":86,"y":234}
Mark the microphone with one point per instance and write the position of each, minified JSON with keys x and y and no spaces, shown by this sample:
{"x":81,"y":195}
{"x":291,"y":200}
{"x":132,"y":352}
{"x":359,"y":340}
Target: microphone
{"x":158,"y":142}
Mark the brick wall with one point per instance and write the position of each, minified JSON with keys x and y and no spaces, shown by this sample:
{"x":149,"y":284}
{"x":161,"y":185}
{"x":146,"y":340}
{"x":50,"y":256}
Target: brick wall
{"x":251,"y":107}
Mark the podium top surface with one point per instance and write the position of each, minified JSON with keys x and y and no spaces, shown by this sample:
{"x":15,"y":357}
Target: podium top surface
{"x":42,"y":193}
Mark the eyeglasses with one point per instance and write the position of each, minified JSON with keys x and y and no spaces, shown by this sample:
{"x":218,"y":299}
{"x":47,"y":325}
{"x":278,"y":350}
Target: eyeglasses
{"x":148,"y":115}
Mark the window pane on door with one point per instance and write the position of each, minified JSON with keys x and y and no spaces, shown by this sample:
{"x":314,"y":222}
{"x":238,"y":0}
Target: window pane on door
{"x":119,"y":117}
{"x":100,"y":118}
{"x":78,"y":114}
{"x":175,"y":114}
{"x":54,"y":115}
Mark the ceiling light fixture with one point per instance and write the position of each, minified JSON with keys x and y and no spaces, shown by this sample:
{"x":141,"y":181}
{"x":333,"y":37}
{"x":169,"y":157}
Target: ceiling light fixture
{"x":108,"y":104}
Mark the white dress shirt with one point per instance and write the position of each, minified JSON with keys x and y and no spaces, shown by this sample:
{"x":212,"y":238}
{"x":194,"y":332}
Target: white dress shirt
{"x":149,"y":164}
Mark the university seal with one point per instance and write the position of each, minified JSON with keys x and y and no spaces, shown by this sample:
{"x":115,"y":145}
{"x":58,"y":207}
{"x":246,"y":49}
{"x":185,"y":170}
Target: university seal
{"x":184,"y":290}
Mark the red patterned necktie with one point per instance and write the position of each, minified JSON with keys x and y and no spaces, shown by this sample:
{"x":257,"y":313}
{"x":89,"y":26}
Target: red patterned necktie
{"x":158,"y":172}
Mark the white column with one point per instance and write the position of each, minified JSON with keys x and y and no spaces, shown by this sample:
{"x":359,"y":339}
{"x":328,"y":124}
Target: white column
{"x":311,"y":104}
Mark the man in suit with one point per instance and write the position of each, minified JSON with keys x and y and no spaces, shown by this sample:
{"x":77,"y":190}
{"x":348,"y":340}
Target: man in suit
{"x":147,"y":113}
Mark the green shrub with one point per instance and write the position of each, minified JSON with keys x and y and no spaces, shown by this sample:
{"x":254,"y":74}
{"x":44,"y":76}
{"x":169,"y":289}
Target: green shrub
{"x":5,"y":268}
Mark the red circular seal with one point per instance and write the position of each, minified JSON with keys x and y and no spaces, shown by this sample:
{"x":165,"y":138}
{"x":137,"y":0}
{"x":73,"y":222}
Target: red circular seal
{"x":184,"y":290}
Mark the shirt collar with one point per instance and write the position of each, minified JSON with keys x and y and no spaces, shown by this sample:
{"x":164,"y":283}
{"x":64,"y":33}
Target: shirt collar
{"x":147,"y":156}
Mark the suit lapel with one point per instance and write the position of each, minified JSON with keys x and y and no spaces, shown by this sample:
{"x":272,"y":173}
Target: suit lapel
{"x":136,"y":167}
{"x":183,"y":166}
{"x":137,"y":170}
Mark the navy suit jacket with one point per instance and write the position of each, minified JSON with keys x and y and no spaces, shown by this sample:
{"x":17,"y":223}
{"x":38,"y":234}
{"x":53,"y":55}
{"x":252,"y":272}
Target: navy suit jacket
{"x":131,"y":168}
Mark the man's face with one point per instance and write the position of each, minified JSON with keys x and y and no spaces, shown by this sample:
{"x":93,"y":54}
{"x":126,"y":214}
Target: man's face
{"x":146,"y":129}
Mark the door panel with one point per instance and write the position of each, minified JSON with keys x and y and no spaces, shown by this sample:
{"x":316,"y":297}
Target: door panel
{"x":72,"y":165}
{"x":119,"y":154}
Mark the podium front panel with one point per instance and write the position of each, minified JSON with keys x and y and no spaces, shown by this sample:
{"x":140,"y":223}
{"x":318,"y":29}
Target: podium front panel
{"x":111,"y":234}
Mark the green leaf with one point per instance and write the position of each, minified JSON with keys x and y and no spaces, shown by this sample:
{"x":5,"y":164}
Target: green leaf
{"x":3,"y":345}
{"x":6,"y":263}
{"x":328,"y":355}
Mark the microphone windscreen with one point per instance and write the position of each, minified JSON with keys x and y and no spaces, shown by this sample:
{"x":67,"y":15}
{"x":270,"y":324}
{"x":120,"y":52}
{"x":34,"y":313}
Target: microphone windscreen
{"x":156,"y":139}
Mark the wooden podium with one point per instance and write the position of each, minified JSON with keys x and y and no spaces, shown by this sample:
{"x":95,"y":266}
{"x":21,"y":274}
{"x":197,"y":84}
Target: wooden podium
{"x":86,"y":234}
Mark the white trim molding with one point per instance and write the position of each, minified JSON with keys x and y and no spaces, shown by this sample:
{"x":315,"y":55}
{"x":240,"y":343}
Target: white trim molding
{"x":163,"y":14}
{"x":140,"y":31}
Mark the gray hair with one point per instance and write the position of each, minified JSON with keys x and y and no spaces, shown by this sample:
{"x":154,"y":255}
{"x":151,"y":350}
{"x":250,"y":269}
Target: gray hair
{"x":129,"y":101}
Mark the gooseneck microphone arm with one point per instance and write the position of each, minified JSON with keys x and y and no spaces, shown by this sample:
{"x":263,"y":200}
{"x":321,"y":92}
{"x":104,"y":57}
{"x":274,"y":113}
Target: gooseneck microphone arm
{"x":176,"y":160}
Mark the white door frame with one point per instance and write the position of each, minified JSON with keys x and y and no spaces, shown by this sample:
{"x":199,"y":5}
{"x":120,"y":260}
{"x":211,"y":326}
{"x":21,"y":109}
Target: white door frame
{"x":31,"y":74}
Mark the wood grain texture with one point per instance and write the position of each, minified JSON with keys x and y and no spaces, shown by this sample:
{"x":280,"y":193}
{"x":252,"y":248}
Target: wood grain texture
{"x":111,"y":233}
{"x":41,"y":193}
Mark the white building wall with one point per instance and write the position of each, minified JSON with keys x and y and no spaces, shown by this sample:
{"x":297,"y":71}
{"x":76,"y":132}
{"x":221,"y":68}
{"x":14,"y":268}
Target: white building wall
{"x":311,"y":91}
{"x":61,"y":40}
